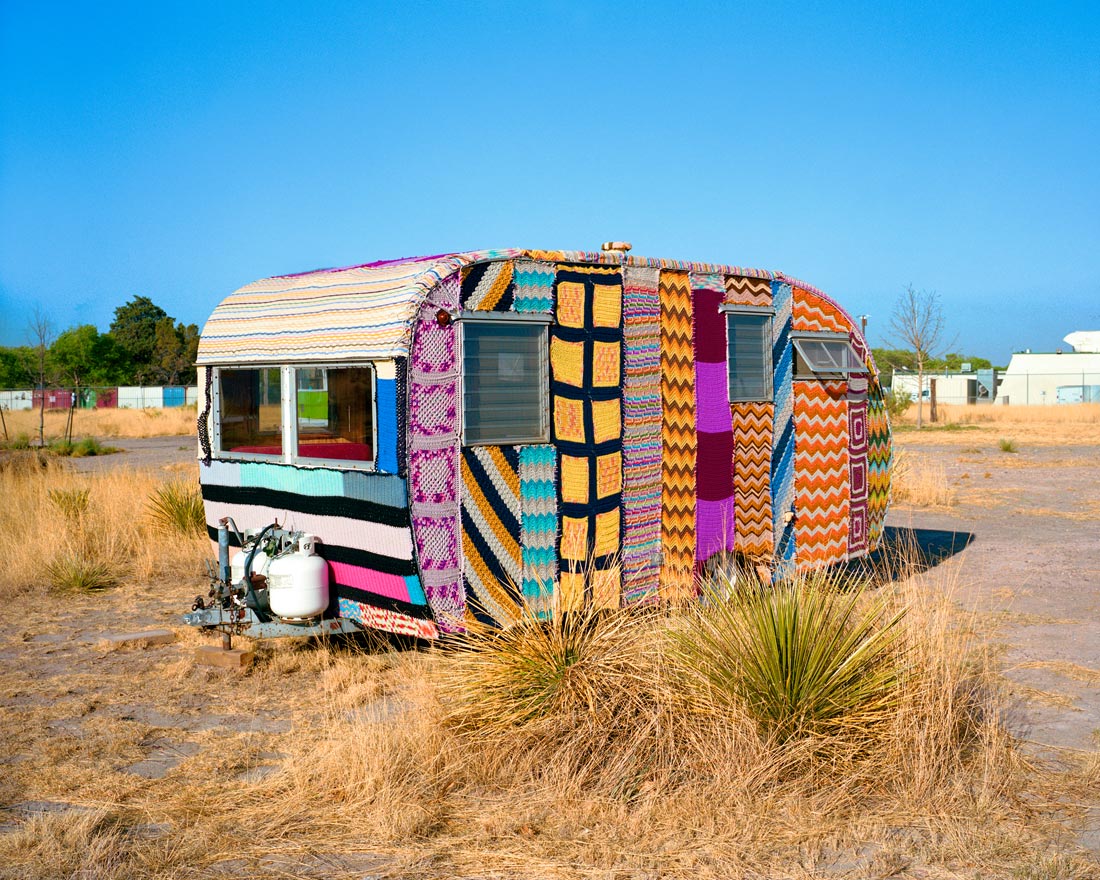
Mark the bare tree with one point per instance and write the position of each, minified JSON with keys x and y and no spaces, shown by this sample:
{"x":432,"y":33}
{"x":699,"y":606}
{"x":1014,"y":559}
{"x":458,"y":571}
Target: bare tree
{"x":40,"y":330}
{"x":917,"y":323}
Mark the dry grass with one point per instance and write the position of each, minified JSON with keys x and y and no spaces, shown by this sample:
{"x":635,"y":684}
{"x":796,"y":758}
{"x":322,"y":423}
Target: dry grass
{"x":82,"y":531}
{"x":1067,"y":425}
{"x":920,"y":481}
{"x":472,"y":761}
{"x":102,"y":423}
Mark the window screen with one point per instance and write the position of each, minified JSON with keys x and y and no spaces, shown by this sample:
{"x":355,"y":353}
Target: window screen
{"x":823,"y":354}
{"x":749,"y":355}
{"x":505,"y":387}
{"x":335,"y":413}
{"x":250,"y":411}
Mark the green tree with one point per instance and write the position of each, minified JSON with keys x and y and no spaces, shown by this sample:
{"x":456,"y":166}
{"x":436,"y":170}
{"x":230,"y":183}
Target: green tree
{"x":174,"y":352}
{"x":14,"y":369}
{"x":135,"y":330}
{"x":84,"y":356}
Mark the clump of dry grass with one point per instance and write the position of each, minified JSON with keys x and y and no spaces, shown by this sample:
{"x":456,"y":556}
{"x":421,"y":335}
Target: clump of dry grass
{"x":80,"y":531}
{"x":177,"y":507}
{"x":171,"y":421}
{"x":920,"y":480}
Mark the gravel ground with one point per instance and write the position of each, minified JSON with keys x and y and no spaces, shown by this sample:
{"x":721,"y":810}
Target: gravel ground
{"x":141,"y":452}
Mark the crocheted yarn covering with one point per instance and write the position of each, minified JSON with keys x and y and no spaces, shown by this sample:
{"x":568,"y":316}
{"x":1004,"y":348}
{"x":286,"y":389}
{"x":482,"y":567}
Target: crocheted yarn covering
{"x":492,"y":564}
{"x":534,"y":286}
{"x":814,"y":313}
{"x":585,"y":363}
{"x":857,"y":477}
{"x":433,"y":454}
{"x":752,"y":438}
{"x":488,"y":286}
{"x":538,"y":480}
{"x":821,"y":472}
{"x":362,"y":520}
{"x":641,"y":435}
{"x":783,"y":445}
{"x":879,"y":453}
{"x":715,"y":530}
{"x":678,"y":438}
{"x":385,"y":382}
{"x":742,"y":291}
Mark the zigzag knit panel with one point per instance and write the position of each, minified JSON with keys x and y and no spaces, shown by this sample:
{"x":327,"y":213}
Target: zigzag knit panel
{"x":492,"y":561}
{"x":783,"y":446}
{"x":433,"y":440}
{"x":715,"y":519}
{"x":534,"y":286}
{"x":538,"y":481}
{"x":879,"y":453}
{"x":586,"y":384}
{"x":641,"y":435}
{"x":752,"y":439}
{"x":812,"y":313}
{"x":488,"y":287}
{"x":742,"y":291}
{"x":857,"y":477}
{"x":821,"y":472}
{"x":679,"y":447}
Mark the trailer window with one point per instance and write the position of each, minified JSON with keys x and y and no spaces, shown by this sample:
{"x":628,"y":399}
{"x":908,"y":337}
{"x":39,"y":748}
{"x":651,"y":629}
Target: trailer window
{"x":821,"y":355}
{"x":749,"y":355}
{"x":250,"y":411}
{"x":334,"y":409}
{"x":505,"y":390}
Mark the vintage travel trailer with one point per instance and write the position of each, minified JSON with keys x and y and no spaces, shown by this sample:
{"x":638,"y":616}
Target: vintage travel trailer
{"x":429,"y":439}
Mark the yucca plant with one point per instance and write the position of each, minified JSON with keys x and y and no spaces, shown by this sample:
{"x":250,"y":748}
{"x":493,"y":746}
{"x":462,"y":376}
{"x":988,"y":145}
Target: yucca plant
{"x":74,"y":572}
{"x":177,"y":507}
{"x":801,"y":658}
{"x":71,"y":502}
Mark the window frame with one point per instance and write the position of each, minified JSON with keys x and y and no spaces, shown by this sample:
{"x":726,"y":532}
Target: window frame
{"x":289,"y":417}
{"x":729,"y":310}
{"x":800,"y":359}
{"x":508,"y":318}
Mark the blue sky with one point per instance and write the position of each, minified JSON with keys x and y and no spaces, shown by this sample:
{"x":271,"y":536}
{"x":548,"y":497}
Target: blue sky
{"x":182,"y":150}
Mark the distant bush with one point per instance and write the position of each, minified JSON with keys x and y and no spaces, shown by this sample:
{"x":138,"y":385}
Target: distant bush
{"x":84,"y":448}
{"x":1008,"y":445}
{"x":897,"y":402}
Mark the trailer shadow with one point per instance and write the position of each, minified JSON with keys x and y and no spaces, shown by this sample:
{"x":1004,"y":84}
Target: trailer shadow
{"x":907,"y":551}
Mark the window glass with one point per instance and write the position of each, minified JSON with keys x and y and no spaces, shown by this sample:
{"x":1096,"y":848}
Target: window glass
{"x":250,"y":410}
{"x":749,"y":356}
{"x":335,"y":412}
{"x":825,"y":355}
{"x":505,"y":390}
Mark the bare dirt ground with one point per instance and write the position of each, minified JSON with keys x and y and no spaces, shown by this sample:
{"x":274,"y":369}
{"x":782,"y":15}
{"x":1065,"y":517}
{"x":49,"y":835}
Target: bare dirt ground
{"x":81,"y":717}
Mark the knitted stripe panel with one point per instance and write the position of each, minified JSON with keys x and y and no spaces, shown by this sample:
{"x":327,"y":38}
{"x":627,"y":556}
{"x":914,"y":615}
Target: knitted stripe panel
{"x":782,"y":458}
{"x":641,"y":435}
{"x":538,"y":476}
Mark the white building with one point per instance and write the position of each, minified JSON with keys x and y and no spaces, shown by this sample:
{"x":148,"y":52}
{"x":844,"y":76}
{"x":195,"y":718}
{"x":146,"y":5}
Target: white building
{"x":950,"y":387}
{"x":1062,"y":377}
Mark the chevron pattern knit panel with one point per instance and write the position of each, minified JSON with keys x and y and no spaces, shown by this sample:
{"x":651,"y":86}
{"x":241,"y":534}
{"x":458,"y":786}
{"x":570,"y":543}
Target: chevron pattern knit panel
{"x":821,"y":472}
{"x":752,"y":438}
{"x":538,"y":480}
{"x":715,"y":526}
{"x":741,"y":291}
{"x":678,"y":438}
{"x":812,"y":313}
{"x":857,"y":477}
{"x":641,"y":435}
{"x":492,"y":564}
{"x":782,"y":464}
{"x":433,"y":441}
{"x":488,"y":287}
{"x":534,"y":286}
{"x":879,"y":452}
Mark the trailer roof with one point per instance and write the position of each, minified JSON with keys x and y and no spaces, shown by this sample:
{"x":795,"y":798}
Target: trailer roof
{"x":367,"y":311}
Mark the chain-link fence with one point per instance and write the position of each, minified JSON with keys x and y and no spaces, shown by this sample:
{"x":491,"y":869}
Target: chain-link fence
{"x":87,"y":397}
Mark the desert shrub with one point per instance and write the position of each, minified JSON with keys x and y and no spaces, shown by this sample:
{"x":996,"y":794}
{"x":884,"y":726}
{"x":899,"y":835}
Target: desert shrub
{"x":74,"y":571}
{"x":809,"y":657}
{"x":1008,"y":445}
{"x":897,"y":402}
{"x":21,"y":440}
{"x":178,"y":507}
{"x":72,"y":502}
{"x":920,"y":481}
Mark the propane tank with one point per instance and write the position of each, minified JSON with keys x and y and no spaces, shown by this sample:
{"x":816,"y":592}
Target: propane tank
{"x":298,"y":582}
{"x":260,"y":563}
